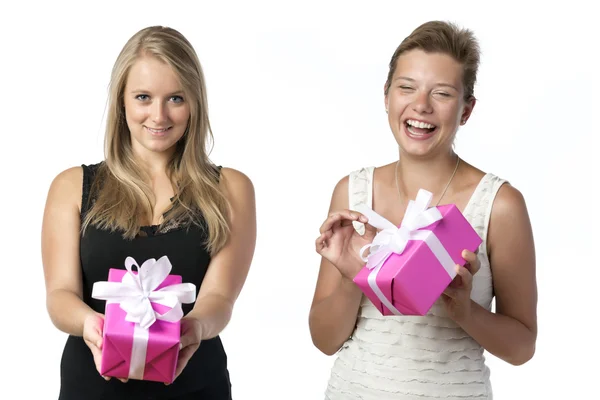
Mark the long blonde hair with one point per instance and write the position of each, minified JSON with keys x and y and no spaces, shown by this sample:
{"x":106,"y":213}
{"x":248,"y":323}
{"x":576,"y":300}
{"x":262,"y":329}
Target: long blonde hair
{"x":126,"y":197}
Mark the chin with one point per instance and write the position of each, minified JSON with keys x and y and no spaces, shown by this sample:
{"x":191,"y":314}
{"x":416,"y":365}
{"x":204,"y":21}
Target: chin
{"x":417,"y":153}
{"x":159,"y":147}
{"x":415,"y":149}
{"x":162,"y":149}
{"x":419,"y":148}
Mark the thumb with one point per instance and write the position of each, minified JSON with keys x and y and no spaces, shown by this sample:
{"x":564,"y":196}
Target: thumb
{"x":185,"y":342}
{"x":465,"y":275}
{"x":370,"y":230}
{"x":191,"y":332}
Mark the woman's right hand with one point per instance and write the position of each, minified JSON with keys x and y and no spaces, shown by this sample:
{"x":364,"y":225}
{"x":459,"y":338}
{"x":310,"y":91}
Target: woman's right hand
{"x":92,"y":336}
{"x":340,"y":244}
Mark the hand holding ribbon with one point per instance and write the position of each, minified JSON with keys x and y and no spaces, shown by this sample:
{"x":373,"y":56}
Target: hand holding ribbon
{"x":392,"y":239}
{"x":339,"y":241}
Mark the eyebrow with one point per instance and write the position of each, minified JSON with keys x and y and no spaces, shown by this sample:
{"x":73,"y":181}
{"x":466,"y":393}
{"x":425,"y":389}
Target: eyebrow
{"x":406,"y":78}
{"x":137,"y":91}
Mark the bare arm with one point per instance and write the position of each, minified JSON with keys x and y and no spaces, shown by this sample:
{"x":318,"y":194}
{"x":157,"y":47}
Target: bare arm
{"x":229,"y":268}
{"x":511,"y":332}
{"x":60,"y":253}
{"x":337,"y":299}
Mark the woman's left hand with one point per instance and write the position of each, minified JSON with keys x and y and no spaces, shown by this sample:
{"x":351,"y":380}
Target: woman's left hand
{"x":457,"y":296}
{"x":191,"y":336}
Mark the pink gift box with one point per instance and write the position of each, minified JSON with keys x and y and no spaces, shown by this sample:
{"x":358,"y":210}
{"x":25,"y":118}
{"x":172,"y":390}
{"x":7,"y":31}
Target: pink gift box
{"x":162,"y":348}
{"x":413,"y":280}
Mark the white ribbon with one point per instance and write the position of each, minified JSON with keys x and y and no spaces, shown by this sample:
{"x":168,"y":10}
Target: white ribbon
{"x":392,"y":239}
{"x":136,"y":292}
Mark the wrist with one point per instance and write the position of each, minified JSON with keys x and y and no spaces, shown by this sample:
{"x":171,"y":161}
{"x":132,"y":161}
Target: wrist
{"x":348,"y":285}
{"x":87,"y":313}
{"x":352,"y":269}
{"x":467,"y":317}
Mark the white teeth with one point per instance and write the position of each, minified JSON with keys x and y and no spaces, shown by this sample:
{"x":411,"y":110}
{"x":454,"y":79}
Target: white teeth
{"x":419,"y":124}
{"x":158,"y":130}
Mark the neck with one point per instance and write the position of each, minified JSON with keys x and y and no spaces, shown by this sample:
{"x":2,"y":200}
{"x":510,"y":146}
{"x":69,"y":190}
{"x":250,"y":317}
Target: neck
{"x":154,"y":164}
{"x":432,"y":175}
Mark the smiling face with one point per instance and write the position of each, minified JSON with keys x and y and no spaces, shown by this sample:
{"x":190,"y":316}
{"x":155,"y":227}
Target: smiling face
{"x":425,"y":102}
{"x":156,"y":111}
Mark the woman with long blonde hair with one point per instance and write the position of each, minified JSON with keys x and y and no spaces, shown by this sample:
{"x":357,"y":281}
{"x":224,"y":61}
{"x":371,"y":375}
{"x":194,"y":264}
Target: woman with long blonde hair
{"x":156,"y":193}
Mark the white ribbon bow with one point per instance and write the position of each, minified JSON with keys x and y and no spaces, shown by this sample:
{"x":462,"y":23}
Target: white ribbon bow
{"x":392,"y":239}
{"x":136,"y":291}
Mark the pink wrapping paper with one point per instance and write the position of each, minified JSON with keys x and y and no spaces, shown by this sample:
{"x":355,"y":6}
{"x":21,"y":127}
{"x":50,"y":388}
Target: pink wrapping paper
{"x":163,"y":340}
{"x":413,"y":280}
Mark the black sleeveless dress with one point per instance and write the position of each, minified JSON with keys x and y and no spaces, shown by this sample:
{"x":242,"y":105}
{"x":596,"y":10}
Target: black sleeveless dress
{"x":205,"y":376}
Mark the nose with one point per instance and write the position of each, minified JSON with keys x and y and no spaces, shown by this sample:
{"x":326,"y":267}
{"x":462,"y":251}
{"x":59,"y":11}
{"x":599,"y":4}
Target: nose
{"x":159,"y":112}
{"x":422,"y":105}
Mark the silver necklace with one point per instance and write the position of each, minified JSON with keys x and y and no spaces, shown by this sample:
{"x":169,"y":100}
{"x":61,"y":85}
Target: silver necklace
{"x":443,"y":192}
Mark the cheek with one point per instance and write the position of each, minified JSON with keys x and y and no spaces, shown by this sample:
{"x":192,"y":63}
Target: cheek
{"x":180,"y":115}
{"x":450,"y":115}
{"x":399,"y":103}
{"x":135,"y":113}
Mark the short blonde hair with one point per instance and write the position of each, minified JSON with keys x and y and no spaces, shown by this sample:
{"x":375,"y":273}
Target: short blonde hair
{"x":447,"y":38}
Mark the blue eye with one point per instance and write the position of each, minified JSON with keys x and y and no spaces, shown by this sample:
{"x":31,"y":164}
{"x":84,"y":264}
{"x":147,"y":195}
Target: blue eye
{"x":142,"y":97}
{"x":176,"y":99}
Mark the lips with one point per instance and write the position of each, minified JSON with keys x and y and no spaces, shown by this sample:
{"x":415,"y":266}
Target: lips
{"x":158,"y":131}
{"x":419,"y":129}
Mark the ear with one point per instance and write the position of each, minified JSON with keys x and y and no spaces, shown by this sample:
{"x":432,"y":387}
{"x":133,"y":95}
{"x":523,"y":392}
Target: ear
{"x":467,"y":110}
{"x":385,"y":97}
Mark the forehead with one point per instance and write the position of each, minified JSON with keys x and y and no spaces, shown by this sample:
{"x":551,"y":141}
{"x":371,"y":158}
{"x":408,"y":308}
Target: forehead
{"x":421,"y":66}
{"x":150,"y":73}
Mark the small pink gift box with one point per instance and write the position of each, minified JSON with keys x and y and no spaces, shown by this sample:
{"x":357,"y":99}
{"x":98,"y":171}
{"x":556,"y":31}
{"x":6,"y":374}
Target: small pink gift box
{"x":142,"y":327}
{"x":410,"y":266}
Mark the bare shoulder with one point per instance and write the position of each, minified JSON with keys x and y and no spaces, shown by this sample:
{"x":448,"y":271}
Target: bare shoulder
{"x":70,"y":177}
{"x":66,"y":187}
{"x":236,"y":183}
{"x":509,"y":205}
{"x":510,"y":225}
{"x":341,"y":187}
{"x":339,"y":197}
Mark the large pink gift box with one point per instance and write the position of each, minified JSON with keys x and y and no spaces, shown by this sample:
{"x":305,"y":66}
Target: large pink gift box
{"x":410,"y":266}
{"x":137,"y":344}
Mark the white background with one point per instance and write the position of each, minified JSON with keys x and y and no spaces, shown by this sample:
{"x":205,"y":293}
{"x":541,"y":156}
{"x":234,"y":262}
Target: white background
{"x":295,"y":94}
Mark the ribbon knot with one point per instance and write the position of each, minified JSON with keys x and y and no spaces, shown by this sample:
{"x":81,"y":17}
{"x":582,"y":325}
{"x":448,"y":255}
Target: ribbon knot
{"x":391,"y":239}
{"x":137,"y":291}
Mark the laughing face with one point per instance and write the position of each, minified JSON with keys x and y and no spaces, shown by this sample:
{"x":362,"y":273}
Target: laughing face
{"x":425,"y":102}
{"x":156,"y":111}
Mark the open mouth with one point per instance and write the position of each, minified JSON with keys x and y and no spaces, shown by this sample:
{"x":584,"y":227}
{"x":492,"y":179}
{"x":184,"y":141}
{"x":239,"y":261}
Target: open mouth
{"x":419,"y":128}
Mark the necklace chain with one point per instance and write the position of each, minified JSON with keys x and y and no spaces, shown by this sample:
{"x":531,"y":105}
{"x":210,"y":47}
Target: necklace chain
{"x":443,"y":192}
